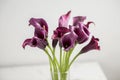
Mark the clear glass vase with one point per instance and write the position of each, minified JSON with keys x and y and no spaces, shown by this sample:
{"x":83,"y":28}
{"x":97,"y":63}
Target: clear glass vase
{"x":60,"y":75}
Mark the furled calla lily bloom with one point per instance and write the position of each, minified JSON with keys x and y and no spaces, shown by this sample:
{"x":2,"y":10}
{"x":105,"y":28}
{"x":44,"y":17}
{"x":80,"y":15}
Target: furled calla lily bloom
{"x":59,"y":32}
{"x":61,"y":29}
{"x":68,"y":40}
{"x":63,"y":20}
{"x":82,"y":31}
{"x":35,"y":42}
{"x":41,"y":27}
{"x":93,"y":45}
{"x":54,"y":42}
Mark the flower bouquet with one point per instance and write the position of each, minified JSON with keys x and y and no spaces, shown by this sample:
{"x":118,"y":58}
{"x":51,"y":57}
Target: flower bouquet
{"x":67,"y":37}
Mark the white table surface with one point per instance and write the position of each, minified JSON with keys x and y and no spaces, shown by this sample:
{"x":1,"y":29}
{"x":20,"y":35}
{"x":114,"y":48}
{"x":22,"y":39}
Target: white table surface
{"x":79,"y":71}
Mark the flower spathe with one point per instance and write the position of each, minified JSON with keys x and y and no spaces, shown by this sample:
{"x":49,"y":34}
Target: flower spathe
{"x":68,"y":36}
{"x":82,"y":31}
{"x":68,"y":40}
{"x":39,"y":23}
{"x":63,"y":20}
{"x":93,"y":45}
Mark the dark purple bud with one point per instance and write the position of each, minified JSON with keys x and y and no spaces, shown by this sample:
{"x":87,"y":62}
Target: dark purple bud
{"x":78,"y":19}
{"x":59,"y":32}
{"x":39,"y":23}
{"x":63,"y":20}
{"x":35,"y":42}
{"x":54,"y":42}
{"x":82,"y":31}
{"x":93,"y":45}
{"x":68,"y":40}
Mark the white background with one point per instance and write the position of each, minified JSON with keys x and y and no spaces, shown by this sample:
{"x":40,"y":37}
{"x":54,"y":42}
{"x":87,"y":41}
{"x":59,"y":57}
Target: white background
{"x":14,"y":29}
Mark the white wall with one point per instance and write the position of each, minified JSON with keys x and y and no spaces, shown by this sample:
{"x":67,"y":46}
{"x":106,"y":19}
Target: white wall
{"x":14,"y":16}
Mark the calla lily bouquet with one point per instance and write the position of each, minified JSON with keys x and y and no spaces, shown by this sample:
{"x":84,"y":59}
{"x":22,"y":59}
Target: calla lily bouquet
{"x":67,"y":37}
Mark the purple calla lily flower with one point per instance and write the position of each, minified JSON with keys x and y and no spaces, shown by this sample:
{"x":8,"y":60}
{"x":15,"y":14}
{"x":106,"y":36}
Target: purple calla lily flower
{"x":93,"y":45}
{"x":63,"y":20}
{"x":61,"y":29}
{"x":35,"y":42}
{"x":78,"y":19}
{"x":68,"y":40}
{"x":40,"y":34}
{"x":82,"y":31}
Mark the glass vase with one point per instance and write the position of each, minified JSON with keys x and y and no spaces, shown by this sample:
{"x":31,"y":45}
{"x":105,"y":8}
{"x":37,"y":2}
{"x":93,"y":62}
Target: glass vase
{"x":60,"y":75}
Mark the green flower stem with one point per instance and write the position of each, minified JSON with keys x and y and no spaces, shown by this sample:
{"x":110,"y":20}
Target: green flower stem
{"x":64,"y":61}
{"x":73,"y":60}
{"x":63,"y":73}
{"x":55,"y":59}
{"x":53,"y":53}
{"x":71,"y":50}
{"x":55,"y":72}
{"x":51,"y":70}
{"x":67,"y":60}
{"x":55,"y":65}
{"x":46,"y":51}
{"x":51,"y":64}
{"x":58,"y":68}
{"x":50,"y":48}
{"x":60,"y":58}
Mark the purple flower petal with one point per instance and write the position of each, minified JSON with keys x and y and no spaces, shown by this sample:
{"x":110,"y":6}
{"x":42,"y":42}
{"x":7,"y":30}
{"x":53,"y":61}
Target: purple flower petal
{"x":38,"y":23}
{"x":88,"y":23}
{"x":40,"y":33}
{"x":93,"y":45}
{"x":35,"y":42}
{"x":59,"y":32}
{"x":82,"y":31}
{"x":41,"y":27}
{"x":78,"y":19}
{"x":63,"y":20}
{"x":26,"y":42}
{"x":42,"y":43}
{"x":68,"y":40}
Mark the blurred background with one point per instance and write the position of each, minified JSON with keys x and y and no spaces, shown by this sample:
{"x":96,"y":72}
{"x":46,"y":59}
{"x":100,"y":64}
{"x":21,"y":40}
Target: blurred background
{"x":14,"y":29}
